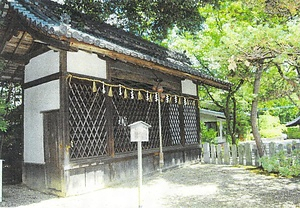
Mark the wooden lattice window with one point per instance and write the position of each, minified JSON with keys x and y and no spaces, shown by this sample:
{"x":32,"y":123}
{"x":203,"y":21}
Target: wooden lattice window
{"x":127,"y":111}
{"x":174,"y":124}
{"x":87,"y":121}
{"x":89,"y":118}
{"x":190,"y":124}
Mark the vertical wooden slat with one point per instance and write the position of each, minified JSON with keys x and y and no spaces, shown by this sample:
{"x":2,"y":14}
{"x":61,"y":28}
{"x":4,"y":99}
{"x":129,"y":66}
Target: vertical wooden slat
{"x":23,"y":121}
{"x":64,"y":142}
{"x":182,"y":129}
{"x":109,"y":115}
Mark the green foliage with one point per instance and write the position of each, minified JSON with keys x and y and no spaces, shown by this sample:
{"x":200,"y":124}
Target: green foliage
{"x":270,"y":126}
{"x":150,"y":19}
{"x":268,"y":122}
{"x":293,"y":132}
{"x":282,"y":164}
{"x":270,"y":133}
{"x":3,"y":121}
{"x":237,"y":37}
{"x":207,"y":135}
{"x":280,"y":107}
{"x":12,"y":146}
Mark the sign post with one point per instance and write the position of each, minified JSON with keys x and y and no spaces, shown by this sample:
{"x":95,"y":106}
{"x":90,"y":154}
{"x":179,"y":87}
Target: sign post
{"x":139,"y":132}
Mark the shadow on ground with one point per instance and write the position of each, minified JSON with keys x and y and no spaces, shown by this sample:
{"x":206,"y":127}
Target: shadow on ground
{"x":197,"y":185}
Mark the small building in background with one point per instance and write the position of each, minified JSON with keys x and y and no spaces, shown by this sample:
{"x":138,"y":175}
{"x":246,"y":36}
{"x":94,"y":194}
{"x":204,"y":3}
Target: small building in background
{"x":214,"y":120}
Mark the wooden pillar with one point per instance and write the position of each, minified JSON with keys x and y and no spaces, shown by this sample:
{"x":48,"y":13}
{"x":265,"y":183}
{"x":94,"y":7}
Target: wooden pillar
{"x":182,"y":126}
{"x":64,"y":151}
{"x":109,"y":115}
{"x":197,"y":103}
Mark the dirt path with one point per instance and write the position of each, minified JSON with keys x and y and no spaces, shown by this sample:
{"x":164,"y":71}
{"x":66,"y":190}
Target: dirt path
{"x":195,"y":185}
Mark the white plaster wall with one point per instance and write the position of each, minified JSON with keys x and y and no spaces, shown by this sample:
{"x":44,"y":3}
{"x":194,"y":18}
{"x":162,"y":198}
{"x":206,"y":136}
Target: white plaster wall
{"x":43,"y":97}
{"x":36,"y":99}
{"x":188,"y":87}
{"x":42,"y":65}
{"x":86,"y":64}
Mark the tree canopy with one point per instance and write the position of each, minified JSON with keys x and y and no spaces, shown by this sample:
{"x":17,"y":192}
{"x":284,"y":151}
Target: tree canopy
{"x":254,"y":45}
{"x":151,"y":19}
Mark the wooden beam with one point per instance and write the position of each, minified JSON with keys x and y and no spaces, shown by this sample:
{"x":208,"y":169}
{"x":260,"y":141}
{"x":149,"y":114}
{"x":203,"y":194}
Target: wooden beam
{"x":19,"y":59}
{"x":36,"y":50}
{"x":9,"y":32}
{"x":144,"y":75}
{"x":142,"y":79}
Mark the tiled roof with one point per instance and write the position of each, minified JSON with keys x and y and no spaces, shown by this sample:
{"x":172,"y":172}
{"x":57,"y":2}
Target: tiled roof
{"x":44,"y":16}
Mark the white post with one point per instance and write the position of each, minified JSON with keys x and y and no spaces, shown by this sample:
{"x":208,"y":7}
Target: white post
{"x":161,"y":154}
{"x":206,"y":153}
{"x":140,"y":172}
{"x":1,"y":161}
{"x":139,"y":132}
{"x":221,"y":131}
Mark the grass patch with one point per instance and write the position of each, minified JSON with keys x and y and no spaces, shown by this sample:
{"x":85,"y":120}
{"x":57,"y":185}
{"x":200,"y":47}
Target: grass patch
{"x":259,"y":171}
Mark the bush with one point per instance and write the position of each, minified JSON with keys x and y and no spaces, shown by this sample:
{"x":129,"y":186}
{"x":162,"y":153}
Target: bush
{"x":293,"y":133}
{"x":207,"y":135}
{"x":280,"y":163}
{"x":270,"y":133}
{"x":270,"y":126}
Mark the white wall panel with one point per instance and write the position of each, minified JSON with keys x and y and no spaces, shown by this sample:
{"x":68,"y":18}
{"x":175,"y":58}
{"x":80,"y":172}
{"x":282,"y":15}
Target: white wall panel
{"x":86,"y":64}
{"x":42,"y":65}
{"x":43,"y":97}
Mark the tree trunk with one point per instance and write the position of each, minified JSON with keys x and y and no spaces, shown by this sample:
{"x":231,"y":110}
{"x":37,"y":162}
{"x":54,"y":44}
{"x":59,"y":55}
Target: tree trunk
{"x":234,"y":121}
{"x":254,"y":106}
{"x":230,"y":119}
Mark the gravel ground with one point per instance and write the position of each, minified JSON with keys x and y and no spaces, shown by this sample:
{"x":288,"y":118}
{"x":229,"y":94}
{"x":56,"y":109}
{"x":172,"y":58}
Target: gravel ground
{"x":196,"y":185}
